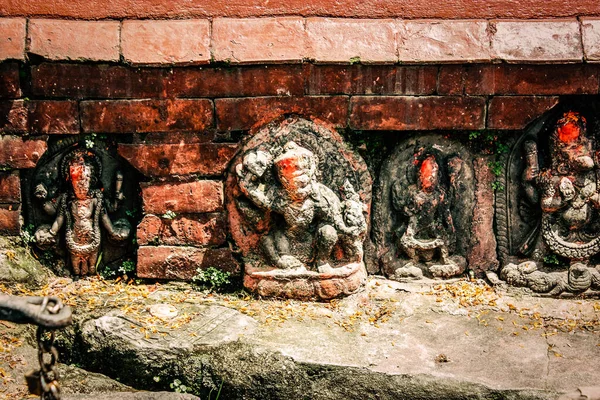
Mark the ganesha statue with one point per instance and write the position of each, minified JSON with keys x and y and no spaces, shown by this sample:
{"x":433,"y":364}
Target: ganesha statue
{"x":301,"y":233}
{"x":73,"y":211}
{"x":560,"y":200}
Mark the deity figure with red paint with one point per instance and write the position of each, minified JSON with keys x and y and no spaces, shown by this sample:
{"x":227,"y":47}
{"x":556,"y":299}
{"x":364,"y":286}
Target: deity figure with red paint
{"x":568,"y":191}
{"x":82,"y":212}
{"x":427,"y":235}
{"x":308,"y":220}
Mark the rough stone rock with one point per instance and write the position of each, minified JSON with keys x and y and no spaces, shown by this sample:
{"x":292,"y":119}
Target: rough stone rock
{"x":393,"y":341}
{"x":135,"y":396}
{"x":17,"y":265}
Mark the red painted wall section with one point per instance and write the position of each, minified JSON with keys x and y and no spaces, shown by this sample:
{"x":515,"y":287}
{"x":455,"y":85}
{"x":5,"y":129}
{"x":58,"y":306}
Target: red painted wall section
{"x":410,"y":9}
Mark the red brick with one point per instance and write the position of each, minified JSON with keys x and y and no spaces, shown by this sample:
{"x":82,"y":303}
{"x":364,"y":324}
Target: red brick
{"x":264,"y":80}
{"x":532,"y":79}
{"x":18,"y":153}
{"x":10,"y":188}
{"x":258,"y":39}
{"x":443,"y":41}
{"x":9,"y":221}
{"x":515,"y":112}
{"x":417,"y":113}
{"x":125,"y":116}
{"x":12,"y":38}
{"x":179,"y":159}
{"x":171,"y":262}
{"x":13,"y":116}
{"x":537,"y":41}
{"x":451,"y":80}
{"x":10,"y":85}
{"x":590,"y":28}
{"x":188,"y":197}
{"x":74,"y":40}
{"x":241,"y":114}
{"x":409,"y":9}
{"x":91,"y":81}
{"x":166,"y":42}
{"x":48,"y":117}
{"x":349,"y":40}
{"x":371,"y":79}
{"x":194,"y":230}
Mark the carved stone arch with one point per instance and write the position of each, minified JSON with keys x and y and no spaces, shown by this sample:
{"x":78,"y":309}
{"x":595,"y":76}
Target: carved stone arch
{"x":340,"y":180}
{"x":548,"y":215}
{"x":49,"y":176}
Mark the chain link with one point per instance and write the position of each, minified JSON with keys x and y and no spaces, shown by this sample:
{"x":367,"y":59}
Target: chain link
{"x":48,"y":374}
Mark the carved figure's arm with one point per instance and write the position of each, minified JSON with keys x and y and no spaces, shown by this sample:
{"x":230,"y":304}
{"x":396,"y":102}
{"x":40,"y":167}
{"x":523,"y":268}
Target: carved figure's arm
{"x":531,"y":172}
{"x":551,"y":199}
{"x":60,"y":217}
{"x":254,"y":189}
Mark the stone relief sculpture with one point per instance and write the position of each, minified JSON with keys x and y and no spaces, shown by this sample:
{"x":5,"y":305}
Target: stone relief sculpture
{"x":558,"y":200}
{"x":78,"y":206}
{"x":422,"y":210}
{"x":298,"y":205}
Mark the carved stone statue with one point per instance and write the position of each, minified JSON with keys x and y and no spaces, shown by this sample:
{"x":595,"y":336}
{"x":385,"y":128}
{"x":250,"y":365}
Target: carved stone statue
{"x":312,"y":218}
{"x":415,"y":230}
{"x":295,"y":224}
{"x":564,"y":197}
{"x":79,"y":209}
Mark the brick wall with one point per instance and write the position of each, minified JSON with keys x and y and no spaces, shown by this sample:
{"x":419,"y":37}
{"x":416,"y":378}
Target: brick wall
{"x":180,"y":95}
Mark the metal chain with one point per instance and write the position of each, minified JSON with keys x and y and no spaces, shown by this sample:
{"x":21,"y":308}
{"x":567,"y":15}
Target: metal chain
{"x":48,"y":375}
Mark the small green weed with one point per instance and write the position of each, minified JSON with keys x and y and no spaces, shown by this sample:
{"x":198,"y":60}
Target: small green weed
{"x":169,"y":215}
{"x":211,"y":278}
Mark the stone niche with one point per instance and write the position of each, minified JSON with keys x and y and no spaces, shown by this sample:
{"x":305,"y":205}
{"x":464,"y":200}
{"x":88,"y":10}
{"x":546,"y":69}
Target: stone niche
{"x":299,"y":202}
{"x":423,"y":210}
{"x":79,"y":201}
{"x":548,"y":218}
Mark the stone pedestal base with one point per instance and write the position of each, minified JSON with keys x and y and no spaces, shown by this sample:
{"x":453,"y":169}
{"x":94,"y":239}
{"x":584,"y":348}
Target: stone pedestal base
{"x":306,"y":285}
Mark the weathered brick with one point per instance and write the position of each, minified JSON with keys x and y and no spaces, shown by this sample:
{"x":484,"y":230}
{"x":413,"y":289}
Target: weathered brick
{"x":443,"y":41}
{"x":13,"y":116}
{"x":92,"y":81}
{"x":532,"y":79}
{"x":12,"y":38}
{"x":451,"y":80}
{"x":371,"y":79}
{"x":244,"y":113}
{"x":57,"y":39}
{"x":166,"y":42}
{"x":515,"y":112}
{"x":264,"y":80}
{"x":590,"y":28}
{"x":9,"y":221}
{"x":125,"y":116}
{"x":539,"y":41}
{"x":249,"y":40}
{"x":350,"y":40}
{"x":179,"y":159}
{"x":20,"y":154}
{"x":417,"y":113}
{"x":189,"y":229}
{"x":172,"y":262}
{"x":188,"y":197}
{"x":48,"y":117}
{"x":409,"y":9}
{"x":10,"y":188}
{"x":10,"y":85}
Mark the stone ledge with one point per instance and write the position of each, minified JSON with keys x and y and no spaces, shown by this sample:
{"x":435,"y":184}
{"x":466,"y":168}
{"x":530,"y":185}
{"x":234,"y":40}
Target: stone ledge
{"x":293,"y":39}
